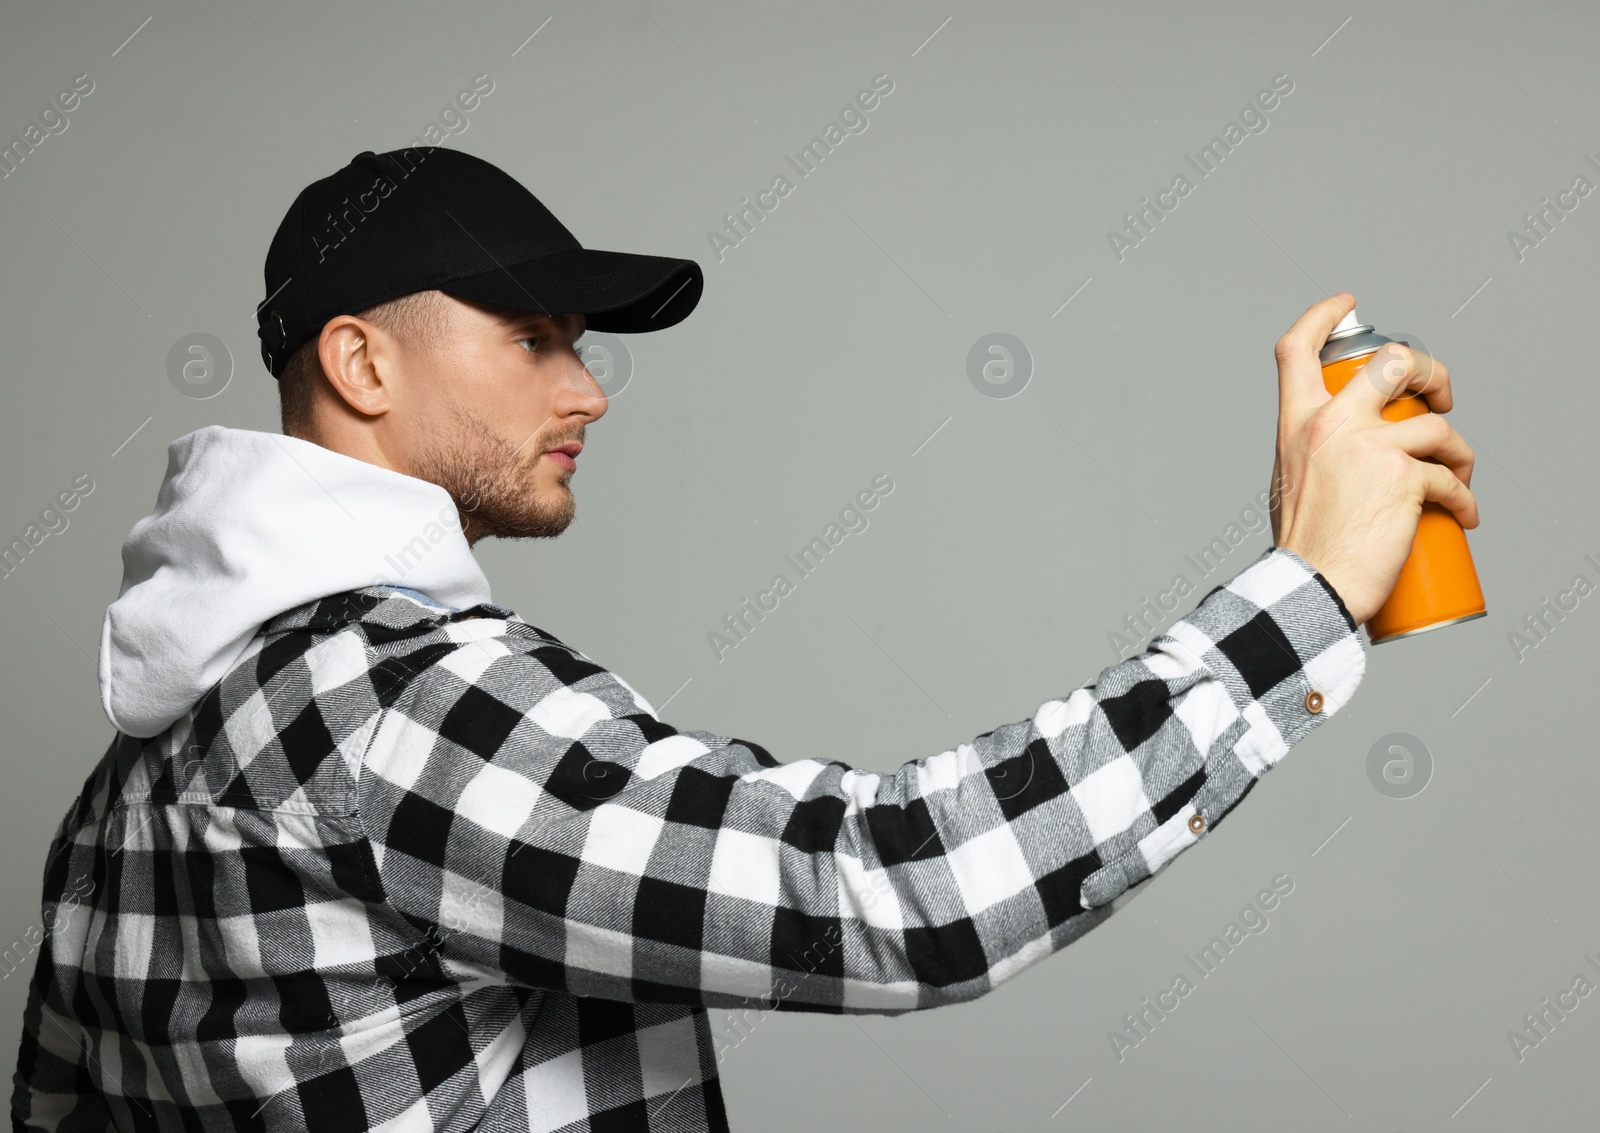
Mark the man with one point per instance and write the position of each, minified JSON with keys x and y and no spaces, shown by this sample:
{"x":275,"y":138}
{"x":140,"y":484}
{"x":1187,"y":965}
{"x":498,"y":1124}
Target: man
{"x":369,"y":851}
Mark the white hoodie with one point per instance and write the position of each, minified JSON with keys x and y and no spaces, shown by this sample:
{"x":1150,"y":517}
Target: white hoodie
{"x":250,"y":524}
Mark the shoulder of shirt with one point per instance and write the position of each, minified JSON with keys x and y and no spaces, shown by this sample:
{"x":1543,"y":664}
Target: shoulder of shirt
{"x":389,"y":613}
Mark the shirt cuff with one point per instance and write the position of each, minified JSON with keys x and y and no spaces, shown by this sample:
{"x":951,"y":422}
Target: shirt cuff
{"x":1283,"y":644}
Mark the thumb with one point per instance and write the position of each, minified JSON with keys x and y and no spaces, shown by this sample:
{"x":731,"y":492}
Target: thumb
{"x":1299,"y":370}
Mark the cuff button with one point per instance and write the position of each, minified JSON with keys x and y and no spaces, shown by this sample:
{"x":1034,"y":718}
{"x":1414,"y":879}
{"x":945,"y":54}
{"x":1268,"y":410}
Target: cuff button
{"x":1197,"y":823}
{"x":1313,"y":701}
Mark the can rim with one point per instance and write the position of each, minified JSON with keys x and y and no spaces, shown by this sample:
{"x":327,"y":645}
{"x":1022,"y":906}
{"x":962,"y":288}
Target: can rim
{"x":1357,"y":342}
{"x":1424,"y":629}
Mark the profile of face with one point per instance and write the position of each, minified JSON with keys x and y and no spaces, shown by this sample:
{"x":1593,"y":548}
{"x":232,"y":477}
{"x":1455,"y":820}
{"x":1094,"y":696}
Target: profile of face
{"x":484,"y":412}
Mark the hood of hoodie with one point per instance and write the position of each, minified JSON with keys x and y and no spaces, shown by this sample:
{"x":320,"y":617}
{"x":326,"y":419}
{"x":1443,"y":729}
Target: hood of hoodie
{"x":247,"y":525}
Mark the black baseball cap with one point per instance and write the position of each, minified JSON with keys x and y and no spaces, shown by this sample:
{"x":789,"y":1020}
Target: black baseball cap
{"x":429,"y":218}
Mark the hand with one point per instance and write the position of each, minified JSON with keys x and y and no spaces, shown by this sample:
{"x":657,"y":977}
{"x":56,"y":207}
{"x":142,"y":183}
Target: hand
{"x":1348,"y":486}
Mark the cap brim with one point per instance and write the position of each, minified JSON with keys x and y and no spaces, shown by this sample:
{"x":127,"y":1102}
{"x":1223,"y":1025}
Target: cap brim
{"x":617,"y":292}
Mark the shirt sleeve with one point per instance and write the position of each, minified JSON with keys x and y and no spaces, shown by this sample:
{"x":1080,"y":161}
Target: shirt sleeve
{"x":530,"y":809}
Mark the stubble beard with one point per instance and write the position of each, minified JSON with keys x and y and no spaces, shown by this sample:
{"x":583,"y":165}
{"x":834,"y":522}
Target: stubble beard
{"x":494,"y":482}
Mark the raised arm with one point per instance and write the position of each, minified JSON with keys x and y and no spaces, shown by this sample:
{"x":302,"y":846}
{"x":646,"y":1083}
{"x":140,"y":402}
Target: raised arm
{"x":533,"y":812}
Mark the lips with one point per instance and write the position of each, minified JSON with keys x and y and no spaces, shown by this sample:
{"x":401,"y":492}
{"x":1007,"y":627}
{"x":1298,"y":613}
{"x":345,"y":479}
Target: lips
{"x":565,"y":455}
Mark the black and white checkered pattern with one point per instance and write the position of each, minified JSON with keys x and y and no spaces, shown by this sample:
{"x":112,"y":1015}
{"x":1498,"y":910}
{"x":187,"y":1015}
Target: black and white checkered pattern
{"x":412,"y":868}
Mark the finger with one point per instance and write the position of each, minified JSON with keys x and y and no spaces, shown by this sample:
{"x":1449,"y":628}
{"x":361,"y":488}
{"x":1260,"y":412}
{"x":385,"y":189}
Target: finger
{"x":1299,"y":370}
{"x":1415,"y":372}
{"x":1442,"y":486}
{"x":1429,"y":436}
{"x":1395,"y":370}
{"x":1432,"y":381}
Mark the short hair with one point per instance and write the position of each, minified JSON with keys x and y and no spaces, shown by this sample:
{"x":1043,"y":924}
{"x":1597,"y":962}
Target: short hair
{"x":420,"y":318}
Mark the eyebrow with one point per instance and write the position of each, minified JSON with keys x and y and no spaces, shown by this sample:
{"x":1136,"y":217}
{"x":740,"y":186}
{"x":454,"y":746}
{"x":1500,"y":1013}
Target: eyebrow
{"x":530,"y":320}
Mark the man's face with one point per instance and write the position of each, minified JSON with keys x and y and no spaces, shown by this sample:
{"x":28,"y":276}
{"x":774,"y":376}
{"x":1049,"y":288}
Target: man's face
{"x":488,"y":406}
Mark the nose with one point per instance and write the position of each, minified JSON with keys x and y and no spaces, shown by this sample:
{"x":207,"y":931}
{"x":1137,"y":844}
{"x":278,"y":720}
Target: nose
{"x":590,"y":399}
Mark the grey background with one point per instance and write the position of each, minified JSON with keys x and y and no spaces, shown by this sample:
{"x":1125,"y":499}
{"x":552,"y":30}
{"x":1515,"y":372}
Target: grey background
{"x":827,"y":349}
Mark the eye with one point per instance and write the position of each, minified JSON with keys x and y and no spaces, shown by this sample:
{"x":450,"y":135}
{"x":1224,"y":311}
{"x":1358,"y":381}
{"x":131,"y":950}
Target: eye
{"x":547,"y":345}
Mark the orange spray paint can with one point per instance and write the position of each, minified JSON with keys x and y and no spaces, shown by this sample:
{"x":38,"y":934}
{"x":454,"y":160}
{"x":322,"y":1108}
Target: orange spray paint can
{"x":1438,"y":585}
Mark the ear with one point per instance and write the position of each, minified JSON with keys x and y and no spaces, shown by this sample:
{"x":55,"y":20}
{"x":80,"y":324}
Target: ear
{"x":358,"y":360}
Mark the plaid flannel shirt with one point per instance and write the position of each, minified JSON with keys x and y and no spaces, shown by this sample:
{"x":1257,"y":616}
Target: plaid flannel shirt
{"x":408,"y":867}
